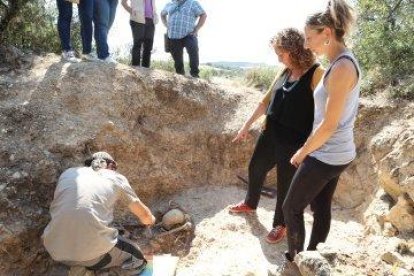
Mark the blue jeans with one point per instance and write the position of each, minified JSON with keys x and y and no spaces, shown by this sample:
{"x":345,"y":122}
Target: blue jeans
{"x":104,"y":14}
{"x":190,"y":43}
{"x":64,"y":21}
{"x":85,"y":8}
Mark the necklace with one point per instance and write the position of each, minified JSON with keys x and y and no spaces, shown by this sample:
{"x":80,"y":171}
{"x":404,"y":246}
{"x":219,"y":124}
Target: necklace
{"x":287,"y":85}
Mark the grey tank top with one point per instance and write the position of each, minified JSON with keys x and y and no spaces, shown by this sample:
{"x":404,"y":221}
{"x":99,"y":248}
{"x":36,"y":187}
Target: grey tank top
{"x":339,"y":149}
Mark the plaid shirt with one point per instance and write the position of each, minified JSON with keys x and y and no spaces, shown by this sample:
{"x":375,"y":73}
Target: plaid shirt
{"x":182,"y":19}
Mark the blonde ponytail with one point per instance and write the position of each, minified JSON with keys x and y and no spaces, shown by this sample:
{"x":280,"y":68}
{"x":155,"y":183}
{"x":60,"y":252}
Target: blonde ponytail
{"x":338,"y":16}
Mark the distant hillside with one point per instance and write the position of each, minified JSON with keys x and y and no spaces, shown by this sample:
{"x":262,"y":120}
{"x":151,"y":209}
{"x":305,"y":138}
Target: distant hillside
{"x":235,"y":65}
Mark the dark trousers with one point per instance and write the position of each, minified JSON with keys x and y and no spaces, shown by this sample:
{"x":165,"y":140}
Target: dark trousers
{"x":190,"y":43}
{"x":86,"y":8}
{"x":314,"y":183}
{"x":268,"y":153}
{"x":104,"y":16}
{"x":143,"y":36}
{"x":64,"y":22}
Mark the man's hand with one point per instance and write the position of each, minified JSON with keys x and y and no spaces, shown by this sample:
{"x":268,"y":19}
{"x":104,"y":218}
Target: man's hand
{"x":142,"y":212}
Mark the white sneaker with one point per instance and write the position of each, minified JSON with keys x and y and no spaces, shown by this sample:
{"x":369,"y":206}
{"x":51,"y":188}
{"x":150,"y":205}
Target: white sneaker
{"x":89,"y":57}
{"x":110,"y":60}
{"x":69,"y":56}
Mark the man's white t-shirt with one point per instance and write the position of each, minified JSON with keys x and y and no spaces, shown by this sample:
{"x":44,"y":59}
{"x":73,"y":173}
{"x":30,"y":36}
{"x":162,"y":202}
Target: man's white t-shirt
{"x":81,"y":211}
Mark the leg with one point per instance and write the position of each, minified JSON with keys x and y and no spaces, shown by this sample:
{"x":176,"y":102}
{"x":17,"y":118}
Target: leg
{"x":148,"y":43}
{"x":262,"y":161}
{"x":125,"y":254}
{"x":321,"y":207}
{"x":177,"y":48}
{"x":101,"y":15}
{"x":191,"y":45}
{"x":285,"y":173}
{"x":64,"y":21}
{"x":309,"y":180}
{"x":113,"y":4}
{"x":138,"y":33}
{"x":85,"y":8}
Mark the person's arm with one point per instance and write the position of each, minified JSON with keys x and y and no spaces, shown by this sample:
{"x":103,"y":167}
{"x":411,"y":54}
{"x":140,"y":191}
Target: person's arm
{"x":126,"y":6}
{"x":339,"y":84}
{"x":259,"y":111}
{"x":164,"y":19}
{"x":142,"y":212}
{"x":200,"y":23}
{"x":243,"y":132}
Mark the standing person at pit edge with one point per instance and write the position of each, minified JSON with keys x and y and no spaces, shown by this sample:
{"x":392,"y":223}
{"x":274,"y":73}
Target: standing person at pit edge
{"x":288,"y":106}
{"x":104,"y":14}
{"x":330,"y":148}
{"x":80,"y":233}
{"x":65,"y":10}
{"x":179,"y":16}
{"x":143,"y":17}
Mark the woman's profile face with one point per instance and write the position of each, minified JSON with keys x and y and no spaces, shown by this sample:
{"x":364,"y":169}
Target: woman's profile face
{"x":283,"y":57}
{"x":314,"y":40}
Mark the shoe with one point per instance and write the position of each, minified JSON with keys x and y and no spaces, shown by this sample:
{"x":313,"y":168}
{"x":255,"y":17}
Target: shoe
{"x":69,"y":56}
{"x":109,"y":60}
{"x":276,"y":234}
{"x":288,"y":268}
{"x":241,"y":208}
{"x":89,"y":57}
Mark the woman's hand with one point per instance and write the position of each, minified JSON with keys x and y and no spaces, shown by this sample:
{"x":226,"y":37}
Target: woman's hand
{"x":241,"y":135}
{"x":298,"y":157}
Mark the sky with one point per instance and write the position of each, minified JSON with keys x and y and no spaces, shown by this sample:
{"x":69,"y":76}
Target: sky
{"x":235,"y":30}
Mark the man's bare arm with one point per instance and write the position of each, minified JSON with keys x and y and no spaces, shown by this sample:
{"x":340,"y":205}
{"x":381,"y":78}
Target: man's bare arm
{"x":142,"y":212}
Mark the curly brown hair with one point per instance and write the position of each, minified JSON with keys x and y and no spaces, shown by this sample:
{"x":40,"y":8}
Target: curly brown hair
{"x":292,"y":41}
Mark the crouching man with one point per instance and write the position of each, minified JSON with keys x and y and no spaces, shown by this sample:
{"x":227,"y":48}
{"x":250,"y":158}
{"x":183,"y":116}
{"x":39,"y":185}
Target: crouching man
{"x":79,"y":233}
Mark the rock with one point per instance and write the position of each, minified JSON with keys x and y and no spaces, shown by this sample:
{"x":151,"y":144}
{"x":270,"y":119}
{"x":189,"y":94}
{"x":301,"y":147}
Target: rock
{"x":389,"y":230}
{"x":312,"y":263}
{"x":401,"y":214}
{"x":80,"y":271}
{"x":172,"y":218}
{"x":393,"y":258}
{"x":393,"y":152}
{"x":375,"y":214}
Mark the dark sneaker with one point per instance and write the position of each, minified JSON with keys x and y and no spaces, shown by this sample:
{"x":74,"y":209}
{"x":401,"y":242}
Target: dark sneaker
{"x":241,"y":208}
{"x":289,"y":267}
{"x":276,"y":234}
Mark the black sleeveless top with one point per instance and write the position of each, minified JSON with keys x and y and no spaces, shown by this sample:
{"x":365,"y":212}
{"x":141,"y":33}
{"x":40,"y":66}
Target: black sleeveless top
{"x":291,"y":108}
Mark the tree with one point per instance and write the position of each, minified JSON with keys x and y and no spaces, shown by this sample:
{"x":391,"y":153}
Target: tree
{"x":8,"y":12}
{"x":384,"y":44}
{"x":32,"y":25}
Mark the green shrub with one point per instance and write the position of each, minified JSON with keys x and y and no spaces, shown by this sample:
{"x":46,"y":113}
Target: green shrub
{"x":35,"y":28}
{"x":260,"y":77}
{"x":166,"y":65}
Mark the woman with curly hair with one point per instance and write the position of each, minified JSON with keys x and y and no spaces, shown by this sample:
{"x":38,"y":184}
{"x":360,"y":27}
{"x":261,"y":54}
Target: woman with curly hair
{"x":289,"y":107}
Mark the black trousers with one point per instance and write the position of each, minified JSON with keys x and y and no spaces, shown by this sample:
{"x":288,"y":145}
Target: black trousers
{"x":268,"y":153}
{"x":314,"y":183}
{"x":143,"y":36}
{"x":190,"y":43}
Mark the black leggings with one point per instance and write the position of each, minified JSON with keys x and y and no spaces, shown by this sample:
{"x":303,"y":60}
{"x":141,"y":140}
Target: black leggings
{"x":268,"y":153}
{"x":314,"y":183}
